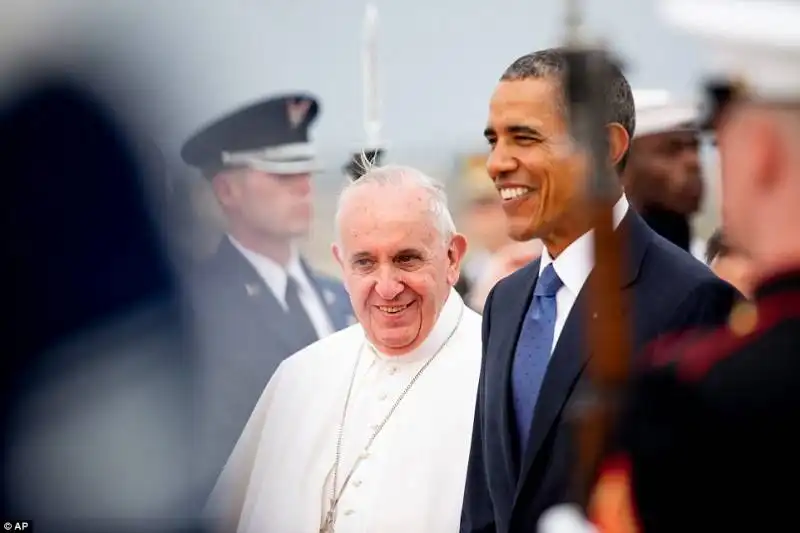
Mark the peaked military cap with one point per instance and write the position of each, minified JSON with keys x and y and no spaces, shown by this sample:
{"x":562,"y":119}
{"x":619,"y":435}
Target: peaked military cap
{"x":659,"y":112}
{"x":756,"y":46}
{"x":271,"y":135}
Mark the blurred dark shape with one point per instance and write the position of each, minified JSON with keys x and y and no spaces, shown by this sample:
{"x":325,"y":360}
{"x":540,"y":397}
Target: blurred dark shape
{"x":673,"y":226}
{"x":95,"y":378}
{"x":717,"y":245}
{"x":462,"y":286}
{"x":360,"y":163}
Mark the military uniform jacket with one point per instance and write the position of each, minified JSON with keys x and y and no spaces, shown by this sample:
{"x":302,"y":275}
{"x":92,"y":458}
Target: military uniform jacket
{"x":243,"y":335}
{"x":710,"y":439}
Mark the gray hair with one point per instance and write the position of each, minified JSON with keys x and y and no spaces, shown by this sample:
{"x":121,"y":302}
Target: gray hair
{"x":551,"y":63}
{"x":403,"y":176}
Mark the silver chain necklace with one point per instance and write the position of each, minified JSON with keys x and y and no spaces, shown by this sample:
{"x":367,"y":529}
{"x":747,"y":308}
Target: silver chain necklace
{"x":330,"y":516}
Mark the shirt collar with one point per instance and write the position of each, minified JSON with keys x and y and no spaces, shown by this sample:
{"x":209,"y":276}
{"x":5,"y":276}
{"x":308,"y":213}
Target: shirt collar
{"x":273,"y":273}
{"x":446,"y":323}
{"x":575,"y":263}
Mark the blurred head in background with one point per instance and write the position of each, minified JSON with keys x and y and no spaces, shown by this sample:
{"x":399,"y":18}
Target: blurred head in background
{"x":540,"y":176}
{"x":663,"y":178}
{"x":259,"y":160}
{"x":484,"y":219}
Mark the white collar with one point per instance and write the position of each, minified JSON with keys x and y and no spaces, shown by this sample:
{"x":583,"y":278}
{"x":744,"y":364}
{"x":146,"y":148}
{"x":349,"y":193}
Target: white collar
{"x":575,"y":263}
{"x":273,"y":273}
{"x":446,"y":323}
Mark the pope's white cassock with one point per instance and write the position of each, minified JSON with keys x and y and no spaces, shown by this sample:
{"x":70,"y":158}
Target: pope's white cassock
{"x":279,"y":478}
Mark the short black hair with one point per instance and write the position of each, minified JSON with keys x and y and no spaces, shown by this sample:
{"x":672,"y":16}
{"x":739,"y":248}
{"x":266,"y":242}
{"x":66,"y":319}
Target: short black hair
{"x":552,"y":62}
{"x":717,"y":246}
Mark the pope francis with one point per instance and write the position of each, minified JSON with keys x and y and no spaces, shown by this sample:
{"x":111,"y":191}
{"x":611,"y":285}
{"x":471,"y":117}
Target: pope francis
{"x":369,"y":429}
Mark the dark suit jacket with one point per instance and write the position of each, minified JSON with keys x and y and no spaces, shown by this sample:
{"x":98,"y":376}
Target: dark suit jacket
{"x":664,"y":288}
{"x":242,"y":334}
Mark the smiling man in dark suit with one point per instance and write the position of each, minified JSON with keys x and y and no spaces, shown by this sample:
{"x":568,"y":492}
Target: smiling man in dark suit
{"x":533,"y":325}
{"x":257,"y":301}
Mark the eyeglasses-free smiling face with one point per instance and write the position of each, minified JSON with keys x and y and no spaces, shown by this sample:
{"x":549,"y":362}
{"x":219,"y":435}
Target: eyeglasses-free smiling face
{"x":539,"y":174}
{"x":396,"y":265}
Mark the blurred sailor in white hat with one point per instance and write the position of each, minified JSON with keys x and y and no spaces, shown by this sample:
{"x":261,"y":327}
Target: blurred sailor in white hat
{"x":663,"y":178}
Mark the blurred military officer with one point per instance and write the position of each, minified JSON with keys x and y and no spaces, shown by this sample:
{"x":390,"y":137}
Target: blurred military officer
{"x":708,"y":442}
{"x":257,"y":301}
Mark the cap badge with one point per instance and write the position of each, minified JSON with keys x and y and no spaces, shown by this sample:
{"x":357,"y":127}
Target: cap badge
{"x":297,"y":110}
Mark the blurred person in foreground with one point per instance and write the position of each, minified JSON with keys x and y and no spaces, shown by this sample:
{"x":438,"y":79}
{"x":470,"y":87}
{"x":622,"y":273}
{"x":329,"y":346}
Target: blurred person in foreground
{"x":256,"y":300}
{"x":534,"y":321}
{"x":94,"y":402}
{"x":711,"y":426}
{"x":370,"y":427}
{"x":663,"y":176}
{"x":730,"y":263}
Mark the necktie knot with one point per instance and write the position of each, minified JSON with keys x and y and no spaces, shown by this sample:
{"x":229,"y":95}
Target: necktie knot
{"x":299,"y":321}
{"x":548,"y":283}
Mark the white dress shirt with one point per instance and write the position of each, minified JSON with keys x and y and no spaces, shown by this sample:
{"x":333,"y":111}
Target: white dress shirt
{"x":573,"y":266}
{"x":275,"y":276}
{"x":279,"y":477}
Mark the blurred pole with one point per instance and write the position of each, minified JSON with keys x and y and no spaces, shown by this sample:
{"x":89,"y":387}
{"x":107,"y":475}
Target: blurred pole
{"x":608,"y":343}
{"x":369,"y":66}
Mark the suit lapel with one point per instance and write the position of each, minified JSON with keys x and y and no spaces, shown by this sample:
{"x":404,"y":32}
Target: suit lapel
{"x":565,"y":366}
{"x":518,"y":308}
{"x":254,"y":294}
{"x":571,"y":354}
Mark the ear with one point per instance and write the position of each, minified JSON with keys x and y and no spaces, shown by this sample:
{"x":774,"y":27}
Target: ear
{"x":768,"y":151}
{"x":455,"y":254}
{"x":618,"y":142}
{"x":224,"y":188}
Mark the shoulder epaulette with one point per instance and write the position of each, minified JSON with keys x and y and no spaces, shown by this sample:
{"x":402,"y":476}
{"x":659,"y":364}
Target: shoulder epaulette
{"x":747,"y":322}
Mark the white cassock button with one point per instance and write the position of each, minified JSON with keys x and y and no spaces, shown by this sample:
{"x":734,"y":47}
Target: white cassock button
{"x":383,"y":396}
{"x":393,"y":370}
{"x":349,"y":512}
{"x":357,"y":483}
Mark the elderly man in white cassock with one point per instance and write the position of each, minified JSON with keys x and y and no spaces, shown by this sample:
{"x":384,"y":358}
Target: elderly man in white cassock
{"x":368,"y":430}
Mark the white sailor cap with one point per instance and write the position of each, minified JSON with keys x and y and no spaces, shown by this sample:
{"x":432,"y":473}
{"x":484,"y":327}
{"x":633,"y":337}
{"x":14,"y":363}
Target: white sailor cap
{"x":755,"y":46}
{"x":657,"y":111}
